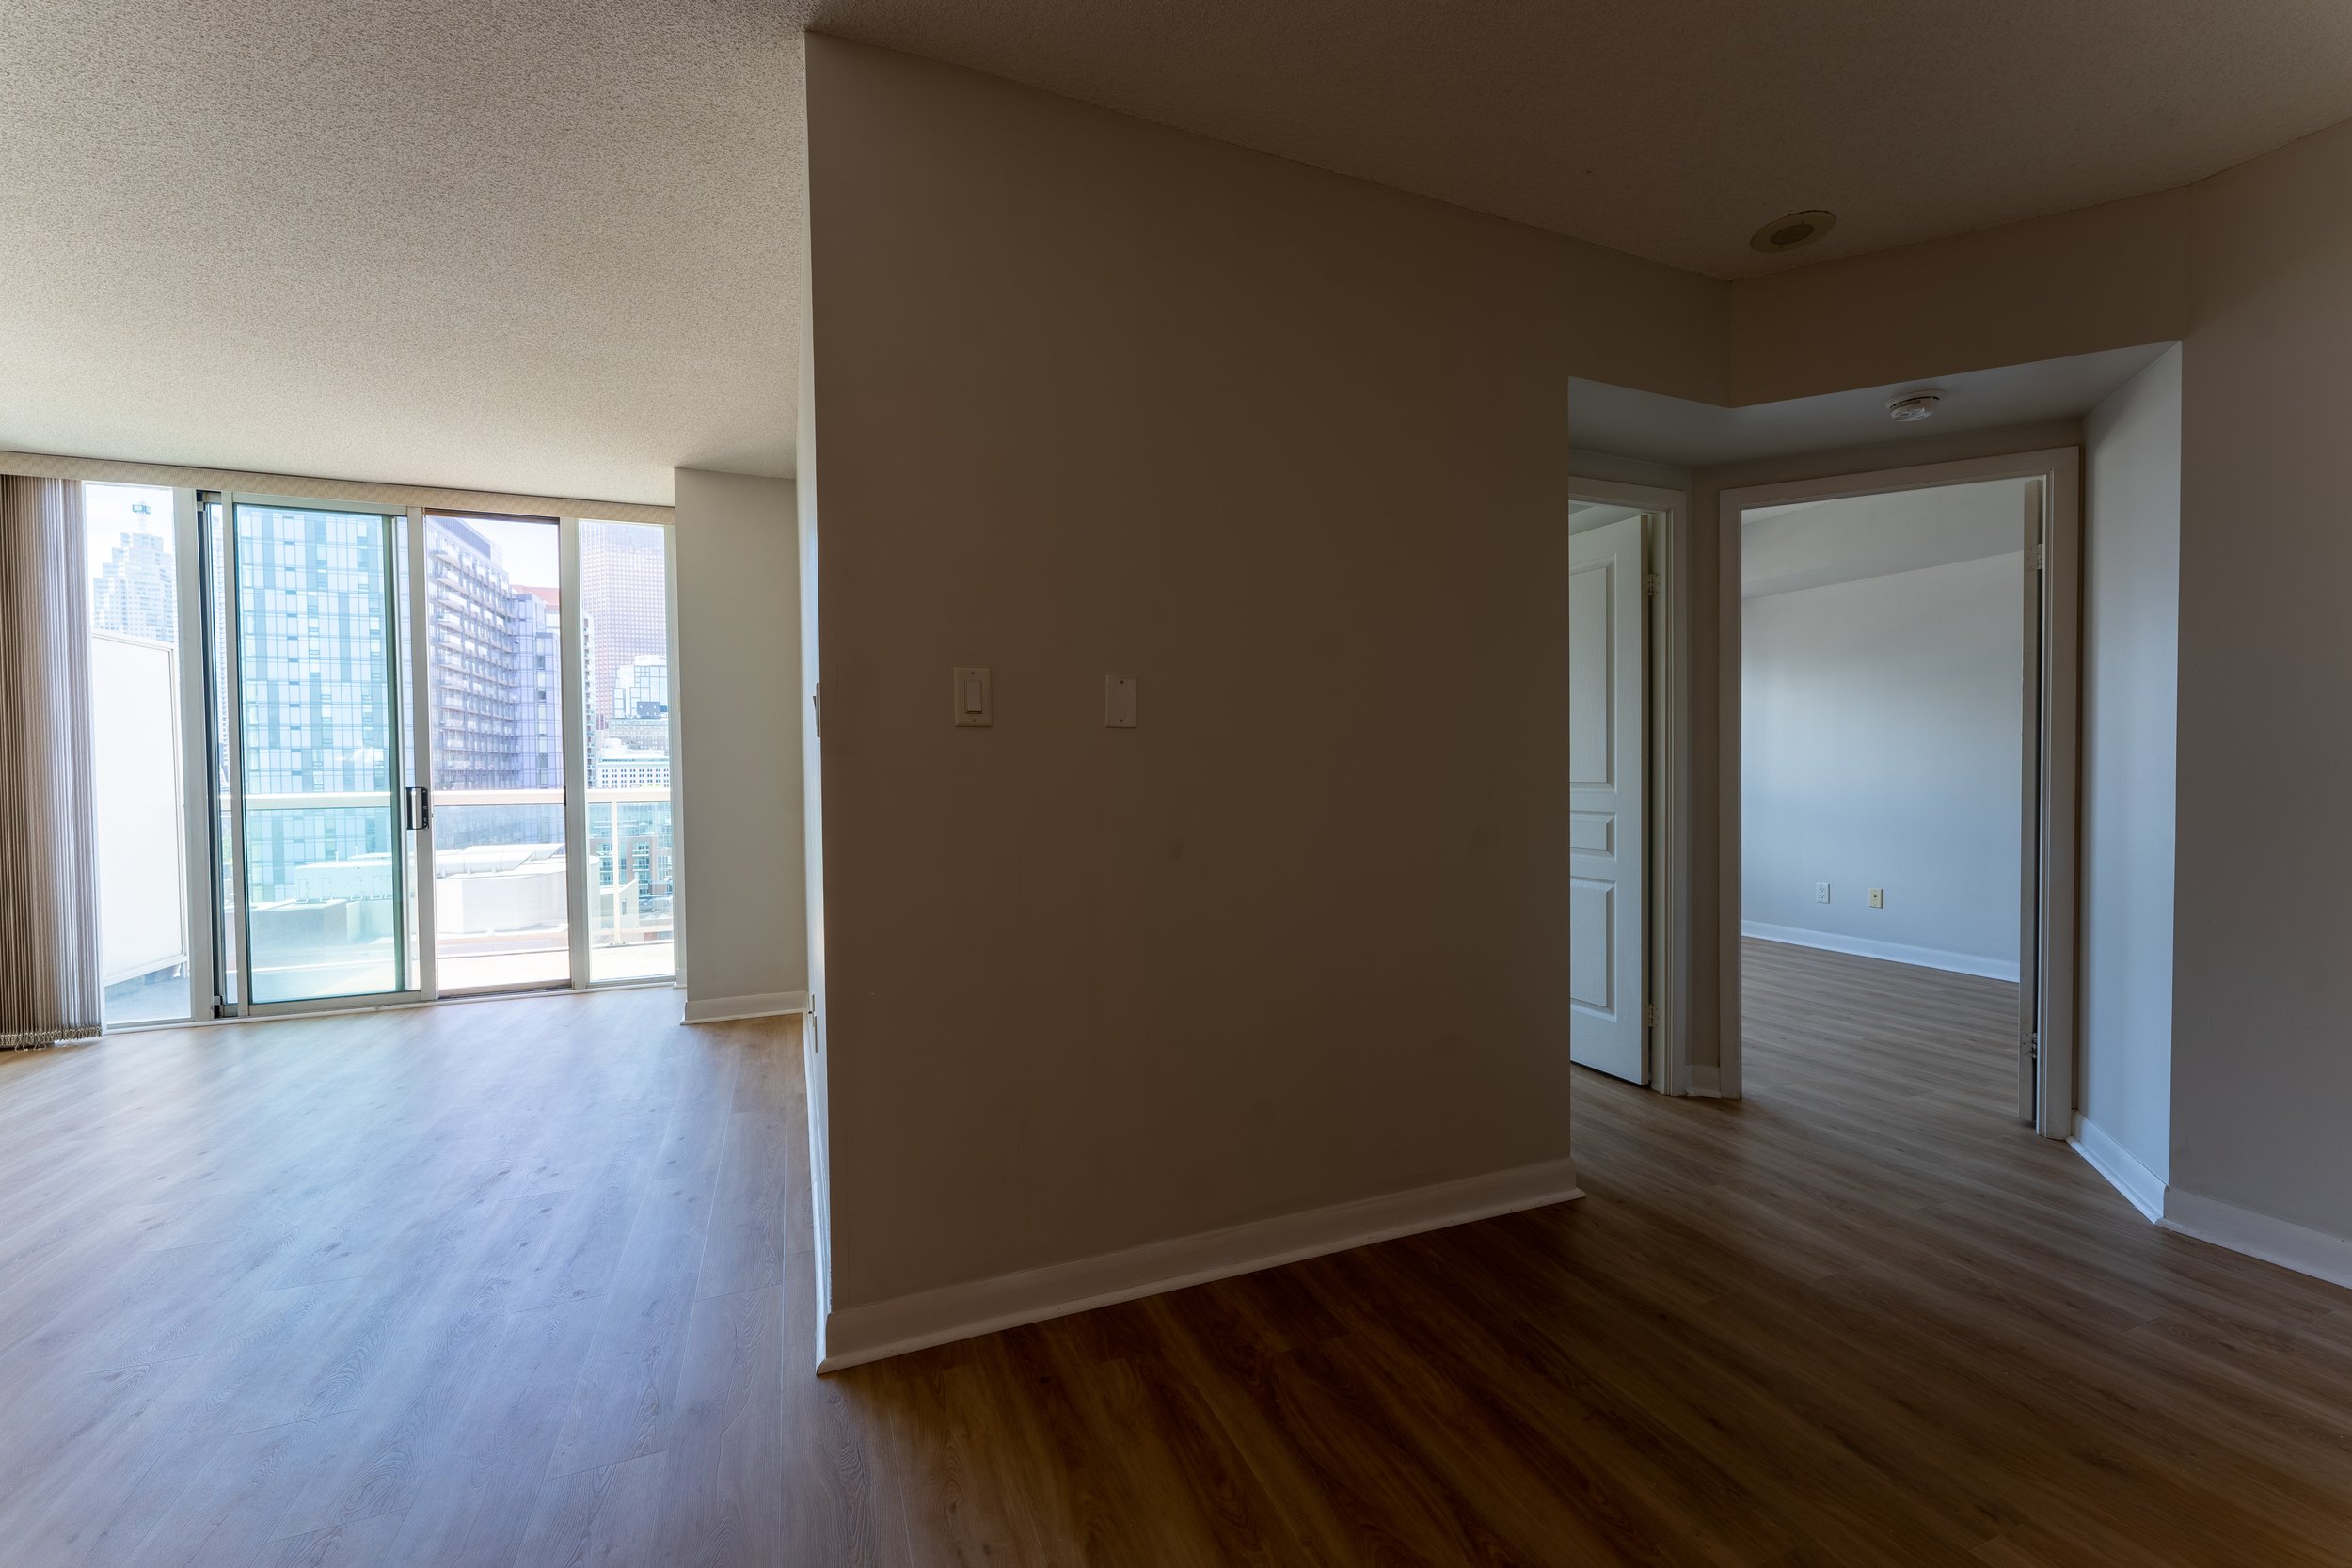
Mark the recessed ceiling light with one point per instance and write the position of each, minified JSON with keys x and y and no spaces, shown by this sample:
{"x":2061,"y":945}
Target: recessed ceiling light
{"x":1793,"y":232}
{"x":1914,"y":406}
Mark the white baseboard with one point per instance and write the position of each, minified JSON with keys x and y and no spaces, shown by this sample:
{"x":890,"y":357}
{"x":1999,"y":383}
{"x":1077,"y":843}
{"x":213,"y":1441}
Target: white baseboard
{"x":718,"y":1009}
{"x":2274,"y":1240}
{"x":1893,"y":952}
{"x":869,"y":1333}
{"x":2209,"y":1219}
{"x":2120,"y":1166}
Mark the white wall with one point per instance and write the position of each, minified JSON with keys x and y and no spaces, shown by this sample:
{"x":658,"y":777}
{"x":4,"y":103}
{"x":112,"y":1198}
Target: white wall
{"x":2131,"y":699}
{"x":1880,"y":748}
{"x":738,"y":775}
{"x":1096,"y":397}
{"x":2261,"y":1052}
{"x":1814,"y":543}
{"x":2249,"y":271}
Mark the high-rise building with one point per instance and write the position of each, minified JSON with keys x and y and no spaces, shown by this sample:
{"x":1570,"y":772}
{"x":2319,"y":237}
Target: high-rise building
{"x":623,"y":582}
{"x":136,"y":593}
{"x":314,"y":655}
{"x":496,"y":702}
{"x":641,"y":689}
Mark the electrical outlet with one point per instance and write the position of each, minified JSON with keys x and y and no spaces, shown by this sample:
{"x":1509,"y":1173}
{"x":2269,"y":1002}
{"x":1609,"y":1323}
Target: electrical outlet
{"x":1878,"y":898}
{"x":1820,"y":893}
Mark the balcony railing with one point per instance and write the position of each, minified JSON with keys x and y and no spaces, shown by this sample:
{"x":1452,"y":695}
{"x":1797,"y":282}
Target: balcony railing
{"x":502,"y":908}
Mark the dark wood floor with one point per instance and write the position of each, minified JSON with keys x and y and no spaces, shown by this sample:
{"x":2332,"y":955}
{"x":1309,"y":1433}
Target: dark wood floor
{"x":527,"y":1283}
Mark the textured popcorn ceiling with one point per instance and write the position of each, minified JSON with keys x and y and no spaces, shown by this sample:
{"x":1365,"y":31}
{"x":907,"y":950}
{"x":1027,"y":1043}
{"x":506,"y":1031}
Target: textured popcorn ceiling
{"x":506,"y":245}
{"x":547,"y":244}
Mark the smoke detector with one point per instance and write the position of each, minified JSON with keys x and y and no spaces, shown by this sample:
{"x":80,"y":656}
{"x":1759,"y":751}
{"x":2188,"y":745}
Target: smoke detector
{"x":1792,"y":232}
{"x":1914,"y":406}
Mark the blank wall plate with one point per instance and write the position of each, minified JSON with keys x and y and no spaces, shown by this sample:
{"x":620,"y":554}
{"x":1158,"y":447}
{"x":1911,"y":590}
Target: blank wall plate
{"x":1119,"y":702}
{"x":974,"y":697}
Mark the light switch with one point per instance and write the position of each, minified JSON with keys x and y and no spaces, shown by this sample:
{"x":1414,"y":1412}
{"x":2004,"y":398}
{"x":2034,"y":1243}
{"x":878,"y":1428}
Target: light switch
{"x":974,"y":706}
{"x":1119,"y":702}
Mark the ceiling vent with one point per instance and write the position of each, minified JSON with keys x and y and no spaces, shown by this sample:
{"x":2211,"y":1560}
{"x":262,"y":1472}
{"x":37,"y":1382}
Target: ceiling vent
{"x":1793,"y":232}
{"x":1914,"y":406}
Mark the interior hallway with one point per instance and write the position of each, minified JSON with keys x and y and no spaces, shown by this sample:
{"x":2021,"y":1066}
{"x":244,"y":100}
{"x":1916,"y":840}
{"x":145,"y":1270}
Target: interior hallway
{"x":528,"y":1282}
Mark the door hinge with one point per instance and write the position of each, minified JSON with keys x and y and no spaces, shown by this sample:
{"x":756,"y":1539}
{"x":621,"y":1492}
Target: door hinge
{"x":817,"y":705}
{"x":1649,"y":585}
{"x":2041,"y":557}
{"x":1649,"y":1015}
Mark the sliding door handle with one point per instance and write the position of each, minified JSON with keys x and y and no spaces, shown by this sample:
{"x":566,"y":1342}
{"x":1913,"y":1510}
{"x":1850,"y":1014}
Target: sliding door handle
{"x":416,"y":805}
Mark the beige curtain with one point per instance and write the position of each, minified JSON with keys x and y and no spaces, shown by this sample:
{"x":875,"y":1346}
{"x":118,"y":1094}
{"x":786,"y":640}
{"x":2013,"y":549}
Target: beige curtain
{"x":50,"y":988}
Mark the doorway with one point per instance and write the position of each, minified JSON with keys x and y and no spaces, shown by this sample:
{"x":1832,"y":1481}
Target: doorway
{"x":1898,"y":690}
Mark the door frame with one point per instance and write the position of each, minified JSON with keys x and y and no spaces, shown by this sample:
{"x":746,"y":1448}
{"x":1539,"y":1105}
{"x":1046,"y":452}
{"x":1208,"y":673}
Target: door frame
{"x":2059,"y":468}
{"x":1666,"y":956}
{"x":408,"y":665}
{"x":225,"y":730}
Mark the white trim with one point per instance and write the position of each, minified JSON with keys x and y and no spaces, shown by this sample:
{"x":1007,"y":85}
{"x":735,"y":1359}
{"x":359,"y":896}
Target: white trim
{"x":1893,"y":952}
{"x":2300,"y":1248}
{"x":580,"y":881}
{"x":1705,"y":1083}
{"x":408,"y":1000}
{"x":860,"y":1334}
{"x":2274,"y":1240}
{"x":199,"y":799}
{"x":2121,"y":1168}
{"x":718,"y":1009}
{"x":375,"y":496}
{"x":821,"y":1216}
{"x":678,"y":753}
{"x":415,"y":661}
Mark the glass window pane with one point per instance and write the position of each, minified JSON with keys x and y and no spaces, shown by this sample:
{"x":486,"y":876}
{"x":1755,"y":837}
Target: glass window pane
{"x":314,"y":702}
{"x":141,"y":798}
{"x":624,"y":632}
{"x":501,"y":895}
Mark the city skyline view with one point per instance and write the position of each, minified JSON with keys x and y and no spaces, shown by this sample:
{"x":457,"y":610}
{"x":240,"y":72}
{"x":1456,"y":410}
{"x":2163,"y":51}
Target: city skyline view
{"x":320,"y":648}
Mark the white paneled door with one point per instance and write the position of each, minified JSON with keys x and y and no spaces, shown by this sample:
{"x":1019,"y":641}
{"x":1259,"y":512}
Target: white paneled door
{"x":1605,"y":707}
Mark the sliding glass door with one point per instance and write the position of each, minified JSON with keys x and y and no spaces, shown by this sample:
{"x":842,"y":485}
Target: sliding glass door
{"x":313,"y":903}
{"x":496,"y":731}
{"x":437,"y":746}
{"x":624,"y":592}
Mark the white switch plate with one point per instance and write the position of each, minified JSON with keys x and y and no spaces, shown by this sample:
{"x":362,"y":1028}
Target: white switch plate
{"x":1878,"y":898}
{"x":974,"y":697}
{"x":1119,"y":702}
{"x":1820,"y":893}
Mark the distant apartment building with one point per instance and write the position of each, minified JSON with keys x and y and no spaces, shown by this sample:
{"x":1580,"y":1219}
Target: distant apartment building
{"x":497,"y":710}
{"x":641,"y":689}
{"x":315,"y":713}
{"x":622,"y":571}
{"x":136,"y":593}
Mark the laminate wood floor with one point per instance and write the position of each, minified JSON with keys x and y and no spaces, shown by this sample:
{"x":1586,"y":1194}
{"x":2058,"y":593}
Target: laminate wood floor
{"x":527,"y":1283}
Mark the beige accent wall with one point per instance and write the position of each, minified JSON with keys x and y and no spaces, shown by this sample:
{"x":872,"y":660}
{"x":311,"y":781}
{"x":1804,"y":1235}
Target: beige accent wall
{"x":738,"y":775}
{"x":1095,"y":397}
